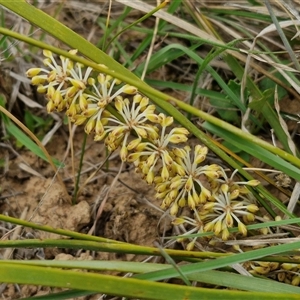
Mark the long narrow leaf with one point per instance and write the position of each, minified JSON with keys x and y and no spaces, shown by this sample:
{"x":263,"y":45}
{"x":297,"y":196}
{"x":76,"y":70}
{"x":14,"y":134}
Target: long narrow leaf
{"x":125,"y":287}
{"x":210,"y":277}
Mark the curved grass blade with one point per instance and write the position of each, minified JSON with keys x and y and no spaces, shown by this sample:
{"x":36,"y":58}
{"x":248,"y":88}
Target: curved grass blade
{"x":223,"y":261}
{"x":219,"y":278}
{"x":21,"y":137}
{"x":123,"y":287}
{"x":264,"y":155}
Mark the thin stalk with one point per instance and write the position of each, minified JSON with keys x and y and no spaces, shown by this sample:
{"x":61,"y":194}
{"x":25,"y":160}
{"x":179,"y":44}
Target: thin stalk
{"x":75,"y":195}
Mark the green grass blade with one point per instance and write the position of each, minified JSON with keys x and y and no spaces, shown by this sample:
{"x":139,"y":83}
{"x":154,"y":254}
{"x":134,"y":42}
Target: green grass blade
{"x":164,"y":56}
{"x":23,"y":139}
{"x":262,"y":154}
{"x":220,"y":278}
{"x":125,"y":287}
{"x":72,"y":294}
{"x":224,"y":261}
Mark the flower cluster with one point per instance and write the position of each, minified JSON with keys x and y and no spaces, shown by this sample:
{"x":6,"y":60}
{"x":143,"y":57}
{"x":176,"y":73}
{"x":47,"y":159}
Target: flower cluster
{"x":126,"y":120}
{"x":288,"y":273}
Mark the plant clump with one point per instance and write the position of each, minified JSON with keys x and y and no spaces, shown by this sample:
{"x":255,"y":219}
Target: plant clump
{"x":126,"y":120}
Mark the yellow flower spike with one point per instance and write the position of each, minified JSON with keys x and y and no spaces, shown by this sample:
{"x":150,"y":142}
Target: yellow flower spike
{"x":57,"y":98}
{"x":166,"y":203}
{"x":242,"y":228}
{"x":162,"y":195}
{"x":90,"y":126}
{"x":77,"y":84}
{"x":182,"y":202}
{"x":33,"y":72}
{"x":71,"y":92}
{"x":178,"y":221}
{"x":288,"y":267}
{"x":218,"y":227}
{"x":41,"y":89}
{"x":173,"y":194}
{"x":47,"y":53}
{"x":165,"y":173}
{"x":129,"y":89}
{"x":161,"y":187}
{"x":167,"y":158}
{"x":79,"y":119}
{"x":89,"y":112}
{"x":132,"y":157}
{"x":180,"y":130}
{"x":296,"y":280}
{"x":175,"y":182}
{"x":178,"y":169}
{"x":50,"y":106}
{"x":234,"y":194}
{"x":119,"y":104}
{"x":273,"y":265}
{"x":71,"y":111}
{"x":144,"y":102}
{"x":83,"y":104}
{"x":145,"y":169}
{"x":189,"y":184}
{"x":116,"y":133}
{"x":261,"y":270}
{"x":150,"y":177}
{"x":133,"y":144}
{"x":252,"y":208}
{"x":165,"y":120}
{"x":52,"y":76}
{"x":141,"y":132}
{"x":37,"y":80}
{"x":196,"y":198}
{"x":253,"y":182}
{"x":50,"y":92}
{"x":199,"y":159}
{"x":100,"y":137}
{"x":209,"y":206}
{"x":62,"y":106}
{"x":264,"y":231}
{"x":180,"y":153}
{"x":205,"y":192}
{"x":250,"y":217}
{"x":225,"y":234}
{"x":174,"y":209}
{"x":237,"y":248}
{"x":178,"y":138}
{"x":191,"y":202}
{"x":200,"y":153}
{"x":123,"y":153}
{"x":153,"y":118}
{"x":209,"y":226}
{"x":190,"y":246}
{"x":138,"y":98}
{"x":202,"y":197}
{"x":101,"y":78}
{"x":150,"y":160}
{"x":229,"y":219}
{"x":224,"y":188}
